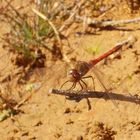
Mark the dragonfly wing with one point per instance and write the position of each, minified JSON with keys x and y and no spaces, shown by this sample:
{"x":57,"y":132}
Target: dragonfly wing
{"x":102,"y":82}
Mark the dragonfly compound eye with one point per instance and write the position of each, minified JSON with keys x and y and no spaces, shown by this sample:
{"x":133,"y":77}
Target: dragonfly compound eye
{"x":75,"y":76}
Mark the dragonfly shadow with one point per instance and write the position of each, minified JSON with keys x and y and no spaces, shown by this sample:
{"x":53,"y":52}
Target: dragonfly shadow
{"x":79,"y":95}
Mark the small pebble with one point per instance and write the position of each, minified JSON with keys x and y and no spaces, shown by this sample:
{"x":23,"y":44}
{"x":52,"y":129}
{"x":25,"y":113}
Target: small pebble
{"x":67,"y":110}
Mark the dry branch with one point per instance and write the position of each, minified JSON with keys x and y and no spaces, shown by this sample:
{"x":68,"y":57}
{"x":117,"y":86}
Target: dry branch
{"x":78,"y":95}
{"x":100,"y":24}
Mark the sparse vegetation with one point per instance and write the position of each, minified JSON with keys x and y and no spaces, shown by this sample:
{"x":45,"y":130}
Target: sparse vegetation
{"x":29,"y":34}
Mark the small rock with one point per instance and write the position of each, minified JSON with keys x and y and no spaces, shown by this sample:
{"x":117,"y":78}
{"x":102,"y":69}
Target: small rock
{"x":79,"y":137}
{"x":67,"y":110}
{"x":69,"y":121}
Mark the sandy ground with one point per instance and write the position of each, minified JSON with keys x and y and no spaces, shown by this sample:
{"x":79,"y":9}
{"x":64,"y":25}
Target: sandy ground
{"x":46,"y":116}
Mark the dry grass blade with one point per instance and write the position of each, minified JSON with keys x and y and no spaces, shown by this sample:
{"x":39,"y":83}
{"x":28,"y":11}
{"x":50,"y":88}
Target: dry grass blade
{"x":72,"y":13}
{"x":51,"y":24}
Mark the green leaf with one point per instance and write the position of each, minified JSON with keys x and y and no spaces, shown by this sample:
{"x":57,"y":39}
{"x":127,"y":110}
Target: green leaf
{"x":27,"y":31}
{"x":4,"y":114}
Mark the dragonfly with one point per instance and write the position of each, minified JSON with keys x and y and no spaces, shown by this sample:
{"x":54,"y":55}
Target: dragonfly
{"x":78,"y":73}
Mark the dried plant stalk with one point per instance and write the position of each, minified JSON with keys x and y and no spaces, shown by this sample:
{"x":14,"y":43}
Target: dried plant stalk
{"x":100,"y":24}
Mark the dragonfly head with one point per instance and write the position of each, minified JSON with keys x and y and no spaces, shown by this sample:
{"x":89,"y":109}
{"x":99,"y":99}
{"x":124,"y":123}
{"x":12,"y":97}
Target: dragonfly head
{"x":74,"y":75}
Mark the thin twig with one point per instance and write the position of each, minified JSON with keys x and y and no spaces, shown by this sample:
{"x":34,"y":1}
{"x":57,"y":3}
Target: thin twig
{"x":74,"y":95}
{"x":74,"y":11}
{"x":22,"y":102}
{"x":69,"y":19}
{"x":100,"y":24}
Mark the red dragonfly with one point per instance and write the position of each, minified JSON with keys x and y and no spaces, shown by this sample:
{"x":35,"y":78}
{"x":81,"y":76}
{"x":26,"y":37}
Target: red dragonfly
{"x":82,"y":67}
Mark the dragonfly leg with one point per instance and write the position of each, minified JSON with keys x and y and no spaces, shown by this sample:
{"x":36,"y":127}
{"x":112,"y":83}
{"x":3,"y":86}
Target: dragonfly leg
{"x":73,"y":86}
{"x":64,"y":84}
{"x":89,"y":105}
{"x":91,"y":79}
{"x":84,"y":83}
{"x":80,"y":85}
